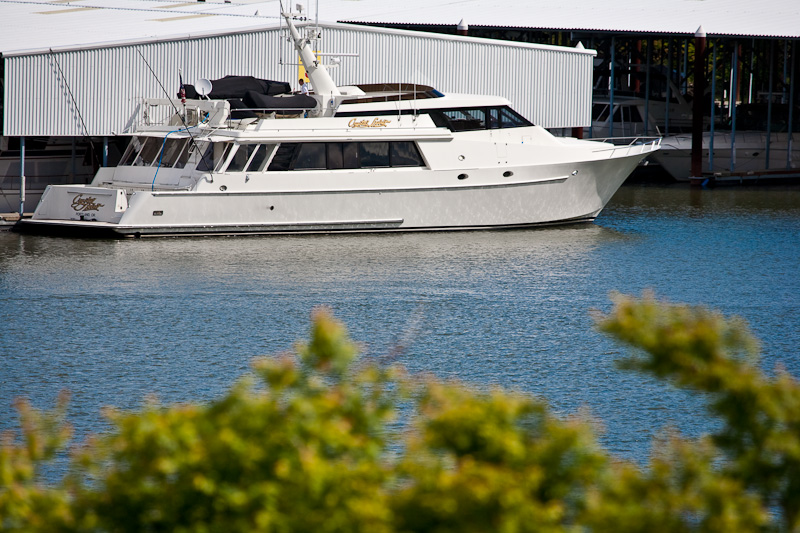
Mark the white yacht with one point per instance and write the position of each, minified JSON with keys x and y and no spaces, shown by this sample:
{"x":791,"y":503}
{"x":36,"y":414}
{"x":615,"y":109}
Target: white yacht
{"x":396,"y":157}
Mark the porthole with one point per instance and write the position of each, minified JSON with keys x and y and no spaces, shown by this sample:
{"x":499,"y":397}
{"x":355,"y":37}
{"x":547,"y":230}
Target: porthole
{"x":507,"y":174}
{"x":223,"y":188}
{"x":463,"y":176}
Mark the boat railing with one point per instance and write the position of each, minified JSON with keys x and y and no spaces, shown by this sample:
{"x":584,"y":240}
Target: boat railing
{"x":626,"y":141}
{"x":213,"y":113}
{"x":633,"y":145}
{"x":173,"y":112}
{"x":271,"y":112}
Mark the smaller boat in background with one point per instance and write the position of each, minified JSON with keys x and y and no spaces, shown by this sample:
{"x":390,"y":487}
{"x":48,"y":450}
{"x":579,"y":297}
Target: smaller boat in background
{"x":743,"y":151}
{"x":629,"y":114}
{"x":749,"y":153}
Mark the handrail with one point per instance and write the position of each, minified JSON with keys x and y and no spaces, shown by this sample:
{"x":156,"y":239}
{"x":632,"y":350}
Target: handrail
{"x":629,"y":141}
{"x":643,"y":144}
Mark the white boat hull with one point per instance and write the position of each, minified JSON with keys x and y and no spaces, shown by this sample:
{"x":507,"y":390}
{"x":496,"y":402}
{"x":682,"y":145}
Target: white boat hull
{"x":560,"y":197}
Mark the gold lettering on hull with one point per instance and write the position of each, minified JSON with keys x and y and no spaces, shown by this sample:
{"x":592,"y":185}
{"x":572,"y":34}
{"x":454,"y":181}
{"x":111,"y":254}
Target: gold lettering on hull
{"x":376,"y":123}
{"x":83,"y":203}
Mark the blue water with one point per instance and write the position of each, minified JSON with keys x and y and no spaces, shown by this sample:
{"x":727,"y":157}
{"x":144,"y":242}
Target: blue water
{"x":181,"y":319}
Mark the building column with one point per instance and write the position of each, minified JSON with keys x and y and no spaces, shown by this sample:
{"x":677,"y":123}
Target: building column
{"x":21,"y":176}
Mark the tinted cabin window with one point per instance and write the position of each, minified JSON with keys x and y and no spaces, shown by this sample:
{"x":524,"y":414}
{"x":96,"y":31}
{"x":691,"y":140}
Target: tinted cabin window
{"x":221,"y":153}
{"x":283,"y":157}
{"x":511,"y":119}
{"x":172,"y":149}
{"x":348,"y":155}
{"x":460,"y":119}
{"x":474,"y":119}
{"x":259,"y":160}
{"x":342,"y":155}
{"x":405,"y":154}
{"x":493,"y":121}
{"x":132,"y":151}
{"x":373,"y":155}
{"x":151,"y":149}
{"x":206,"y":162}
{"x":466,"y":119}
{"x":311,"y":156}
{"x":335,"y":156}
{"x":241,"y":157}
{"x":183,"y":158}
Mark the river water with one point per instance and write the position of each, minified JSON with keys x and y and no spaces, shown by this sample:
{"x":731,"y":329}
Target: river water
{"x":181,"y":319}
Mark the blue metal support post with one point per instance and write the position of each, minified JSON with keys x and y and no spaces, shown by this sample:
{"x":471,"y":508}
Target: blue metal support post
{"x":611,"y":82}
{"x":790,"y":126}
{"x":732,"y":101}
{"x":769,"y":102}
{"x":713,"y":105}
{"x":21,"y":176}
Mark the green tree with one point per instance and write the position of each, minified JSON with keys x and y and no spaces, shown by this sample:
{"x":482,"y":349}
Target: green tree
{"x":306,"y":444}
{"x":25,"y":504}
{"x":698,"y":349}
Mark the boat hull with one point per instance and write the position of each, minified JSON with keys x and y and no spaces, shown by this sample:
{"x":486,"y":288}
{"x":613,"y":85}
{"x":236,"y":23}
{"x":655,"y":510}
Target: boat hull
{"x":569,"y":193}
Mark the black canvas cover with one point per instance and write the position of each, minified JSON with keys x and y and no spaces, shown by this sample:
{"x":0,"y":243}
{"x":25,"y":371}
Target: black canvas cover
{"x":239,"y":110}
{"x":296,"y":103}
{"x":237,"y":86}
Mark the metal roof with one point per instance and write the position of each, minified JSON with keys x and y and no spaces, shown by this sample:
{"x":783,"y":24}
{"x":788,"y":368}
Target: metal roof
{"x":770,"y":18}
{"x":38,"y":25}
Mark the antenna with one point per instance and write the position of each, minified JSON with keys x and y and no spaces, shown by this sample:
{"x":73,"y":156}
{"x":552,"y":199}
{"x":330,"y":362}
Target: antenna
{"x":203,"y":87}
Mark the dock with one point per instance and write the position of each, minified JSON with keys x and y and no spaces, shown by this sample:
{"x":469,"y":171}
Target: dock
{"x":7,"y":220}
{"x":750,"y":177}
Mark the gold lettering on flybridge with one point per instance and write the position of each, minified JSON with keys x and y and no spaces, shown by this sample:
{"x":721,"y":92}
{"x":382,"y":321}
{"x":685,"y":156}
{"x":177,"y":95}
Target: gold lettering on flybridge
{"x":376,"y":123}
{"x":85,"y":203}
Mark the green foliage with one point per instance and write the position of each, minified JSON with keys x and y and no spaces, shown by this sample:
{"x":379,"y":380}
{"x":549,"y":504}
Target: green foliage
{"x":493,"y":461}
{"x":305,"y":444}
{"x":700,"y":350}
{"x":24,"y":504}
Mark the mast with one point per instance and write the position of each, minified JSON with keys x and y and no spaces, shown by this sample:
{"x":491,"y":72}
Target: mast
{"x":321,"y":81}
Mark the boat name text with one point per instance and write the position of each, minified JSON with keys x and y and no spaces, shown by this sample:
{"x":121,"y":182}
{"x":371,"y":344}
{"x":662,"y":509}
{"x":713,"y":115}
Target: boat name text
{"x":376,"y":123}
{"x":85,"y":203}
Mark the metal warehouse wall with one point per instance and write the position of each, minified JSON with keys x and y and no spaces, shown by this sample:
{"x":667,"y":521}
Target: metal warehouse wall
{"x":52,"y":93}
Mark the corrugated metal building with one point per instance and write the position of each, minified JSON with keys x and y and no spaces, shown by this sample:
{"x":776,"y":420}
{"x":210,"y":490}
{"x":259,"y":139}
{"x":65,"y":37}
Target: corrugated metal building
{"x":65,"y":88}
